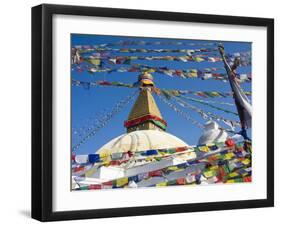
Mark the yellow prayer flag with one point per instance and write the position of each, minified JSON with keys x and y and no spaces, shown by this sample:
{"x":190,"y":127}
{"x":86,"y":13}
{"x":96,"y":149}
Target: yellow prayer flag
{"x":179,"y":170}
{"x":94,"y":61}
{"x":215,"y":94}
{"x":106,"y":163}
{"x":216,"y":167}
{"x":133,"y":57}
{"x":192,"y":74}
{"x":203,"y":148}
{"x":230,"y":181}
{"x":149,"y":159}
{"x":122,"y":181}
{"x":150,"y":70}
{"x":90,"y":172}
{"x":162,"y":184}
{"x":198,"y":59}
{"x":229,"y":155}
{"x":246,"y":161}
{"x":233,"y":174}
{"x":173,"y":168}
{"x":103,"y":154}
{"x":162,"y":152}
{"x":209,"y":173}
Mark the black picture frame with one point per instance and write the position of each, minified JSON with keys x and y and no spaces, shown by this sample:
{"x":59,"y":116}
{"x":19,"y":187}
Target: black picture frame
{"x":42,"y":111}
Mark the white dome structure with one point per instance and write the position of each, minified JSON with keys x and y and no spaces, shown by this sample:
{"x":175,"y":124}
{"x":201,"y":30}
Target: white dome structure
{"x":212,"y":134}
{"x":142,"y":140}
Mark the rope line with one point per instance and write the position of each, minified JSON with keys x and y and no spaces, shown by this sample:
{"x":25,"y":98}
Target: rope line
{"x":105,"y":120}
{"x":209,"y":104}
{"x":181,"y":113}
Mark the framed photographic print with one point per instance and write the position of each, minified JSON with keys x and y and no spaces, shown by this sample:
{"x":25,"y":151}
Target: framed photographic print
{"x":146,"y":112}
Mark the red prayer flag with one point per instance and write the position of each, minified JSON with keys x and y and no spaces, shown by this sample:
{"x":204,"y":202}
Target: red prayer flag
{"x":181,"y":181}
{"x":94,"y":186}
{"x":156,"y":173}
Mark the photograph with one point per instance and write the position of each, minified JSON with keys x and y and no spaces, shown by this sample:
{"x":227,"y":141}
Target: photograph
{"x":147,"y":113}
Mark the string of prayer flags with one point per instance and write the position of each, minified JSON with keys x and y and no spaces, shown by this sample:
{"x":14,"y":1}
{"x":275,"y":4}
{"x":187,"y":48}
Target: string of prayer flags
{"x":102,"y":49}
{"x":181,"y":113}
{"x":204,"y":114}
{"x":206,"y":94}
{"x":142,"y":43}
{"x":97,"y":158}
{"x":146,"y":50}
{"x":93,"y":61}
{"x":223,"y":167}
{"x":167,"y":93}
{"x":105,"y":120}
{"x":96,"y":60}
{"x":208,"y":104}
{"x":88,"y":85}
{"x":204,"y":74}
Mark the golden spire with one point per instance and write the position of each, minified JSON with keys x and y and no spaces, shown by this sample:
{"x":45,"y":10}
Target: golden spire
{"x":145,"y":114}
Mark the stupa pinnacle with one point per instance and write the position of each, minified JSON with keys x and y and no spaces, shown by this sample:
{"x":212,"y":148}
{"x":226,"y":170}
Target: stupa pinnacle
{"x":145,"y":114}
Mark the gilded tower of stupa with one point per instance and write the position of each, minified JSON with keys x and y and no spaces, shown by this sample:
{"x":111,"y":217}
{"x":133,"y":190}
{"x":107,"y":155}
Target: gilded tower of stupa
{"x":145,"y":114}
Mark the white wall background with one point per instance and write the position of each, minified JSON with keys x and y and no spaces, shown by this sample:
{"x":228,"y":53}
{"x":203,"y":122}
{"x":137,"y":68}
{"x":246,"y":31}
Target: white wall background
{"x":15,"y":119}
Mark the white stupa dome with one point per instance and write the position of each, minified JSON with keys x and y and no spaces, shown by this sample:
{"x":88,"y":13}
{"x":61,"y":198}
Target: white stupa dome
{"x":212,"y":134}
{"x":142,"y":140}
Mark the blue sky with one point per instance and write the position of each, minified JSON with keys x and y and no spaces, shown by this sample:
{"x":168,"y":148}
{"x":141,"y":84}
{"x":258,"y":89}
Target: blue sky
{"x":88,"y":103}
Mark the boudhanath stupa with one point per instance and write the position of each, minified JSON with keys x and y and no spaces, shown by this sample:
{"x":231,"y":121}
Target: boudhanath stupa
{"x":145,"y":125}
{"x":146,"y":155}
